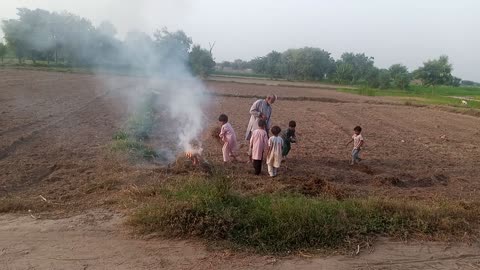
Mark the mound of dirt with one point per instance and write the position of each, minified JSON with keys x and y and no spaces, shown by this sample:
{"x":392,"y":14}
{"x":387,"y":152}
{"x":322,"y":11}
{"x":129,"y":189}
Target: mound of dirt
{"x":408,"y":181}
{"x":388,"y":180}
{"x":185,"y":165}
{"x":318,"y":186}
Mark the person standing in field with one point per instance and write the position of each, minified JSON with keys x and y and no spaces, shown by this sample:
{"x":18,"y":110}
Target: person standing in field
{"x":274,"y":155}
{"x":229,"y":138}
{"x":288,"y":137}
{"x":260,"y":110}
{"x":258,"y":145}
{"x":358,"y":141}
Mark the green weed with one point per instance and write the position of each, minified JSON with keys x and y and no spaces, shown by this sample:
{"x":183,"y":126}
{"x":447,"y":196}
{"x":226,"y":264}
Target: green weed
{"x":208,"y":208}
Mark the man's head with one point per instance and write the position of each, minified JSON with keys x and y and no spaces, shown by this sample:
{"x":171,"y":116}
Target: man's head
{"x":271,"y":99}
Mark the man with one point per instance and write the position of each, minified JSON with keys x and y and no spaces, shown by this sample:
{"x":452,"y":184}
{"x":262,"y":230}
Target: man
{"x":261,"y":109}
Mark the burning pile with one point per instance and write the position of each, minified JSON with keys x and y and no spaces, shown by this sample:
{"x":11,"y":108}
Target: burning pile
{"x":194,"y":157}
{"x":194,"y":152}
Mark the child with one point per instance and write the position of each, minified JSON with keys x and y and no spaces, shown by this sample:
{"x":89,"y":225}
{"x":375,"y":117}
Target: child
{"x":227,"y":134}
{"x":288,"y":137}
{"x":258,"y":144}
{"x":357,"y":140}
{"x":274,"y":156}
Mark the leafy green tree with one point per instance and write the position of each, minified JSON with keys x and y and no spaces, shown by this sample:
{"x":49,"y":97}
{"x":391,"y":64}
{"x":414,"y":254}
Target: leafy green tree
{"x":307,"y":64}
{"x":362,"y":66}
{"x":201,"y":61}
{"x":344,"y":72}
{"x":16,"y":37}
{"x":456,"y":82}
{"x":172,"y":46}
{"x":3,"y":51}
{"x":400,"y":76}
{"x":384,"y":79}
{"x":273,"y":64}
{"x":239,"y":64}
{"x":258,"y":65}
{"x":435,"y":72}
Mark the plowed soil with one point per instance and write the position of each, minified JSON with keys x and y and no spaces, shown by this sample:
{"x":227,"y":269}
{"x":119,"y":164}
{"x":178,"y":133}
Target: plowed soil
{"x":56,"y":128}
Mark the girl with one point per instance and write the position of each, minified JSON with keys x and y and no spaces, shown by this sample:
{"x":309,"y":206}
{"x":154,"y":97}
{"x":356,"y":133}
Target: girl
{"x":274,"y":156}
{"x":227,"y":134}
{"x":258,"y":144}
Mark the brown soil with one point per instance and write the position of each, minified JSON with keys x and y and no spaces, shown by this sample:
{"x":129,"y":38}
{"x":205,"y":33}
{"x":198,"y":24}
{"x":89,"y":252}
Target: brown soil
{"x":55,"y":131}
{"x":94,"y":241}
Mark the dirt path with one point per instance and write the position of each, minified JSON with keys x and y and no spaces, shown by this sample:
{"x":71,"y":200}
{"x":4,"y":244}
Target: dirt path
{"x":94,"y":241}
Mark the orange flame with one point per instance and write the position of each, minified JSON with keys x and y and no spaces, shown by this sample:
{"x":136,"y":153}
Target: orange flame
{"x":194,"y":157}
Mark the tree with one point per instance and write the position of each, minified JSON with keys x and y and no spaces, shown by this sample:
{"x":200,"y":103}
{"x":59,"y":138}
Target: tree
{"x":201,"y":61}
{"x":435,"y":72}
{"x":239,"y":64}
{"x":384,"y":79}
{"x":3,"y":51}
{"x":455,"y":82}
{"x":361,"y":66}
{"x":273,"y":64}
{"x":258,"y":65}
{"x":15,"y":35}
{"x":344,"y":72}
{"x":469,"y":83}
{"x":400,"y":76}
{"x":307,"y":64}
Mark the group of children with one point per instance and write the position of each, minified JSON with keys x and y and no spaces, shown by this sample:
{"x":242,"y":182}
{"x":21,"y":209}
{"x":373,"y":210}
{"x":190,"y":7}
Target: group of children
{"x":276,"y":147}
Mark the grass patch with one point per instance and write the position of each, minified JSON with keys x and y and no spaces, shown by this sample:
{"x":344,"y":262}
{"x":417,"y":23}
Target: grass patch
{"x":137,"y":130}
{"x":301,"y":98}
{"x":12,"y":204}
{"x":240,"y":74}
{"x":421,"y":95}
{"x":208,"y":208}
{"x":134,"y":147}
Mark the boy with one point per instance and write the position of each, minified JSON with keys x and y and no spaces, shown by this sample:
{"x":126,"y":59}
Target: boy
{"x":274,"y":156}
{"x":258,"y":145}
{"x":288,"y":137}
{"x":358,"y":141}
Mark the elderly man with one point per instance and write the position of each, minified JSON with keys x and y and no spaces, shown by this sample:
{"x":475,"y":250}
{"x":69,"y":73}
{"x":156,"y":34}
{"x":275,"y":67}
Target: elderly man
{"x":261,"y":109}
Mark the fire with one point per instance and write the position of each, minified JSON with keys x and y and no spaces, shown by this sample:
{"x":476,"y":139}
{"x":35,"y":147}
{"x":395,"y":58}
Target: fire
{"x":193,"y":156}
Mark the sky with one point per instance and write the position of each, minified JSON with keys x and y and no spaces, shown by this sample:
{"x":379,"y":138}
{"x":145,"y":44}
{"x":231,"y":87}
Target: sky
{"x":392,"y":31}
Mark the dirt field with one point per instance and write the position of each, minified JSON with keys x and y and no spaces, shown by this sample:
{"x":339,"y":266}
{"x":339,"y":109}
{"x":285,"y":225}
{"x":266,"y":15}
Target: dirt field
{"x":55,"y":131}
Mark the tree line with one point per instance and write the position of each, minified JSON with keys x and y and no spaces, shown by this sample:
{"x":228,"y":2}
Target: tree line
{"x":70,"y":40}
{"x":352,"y":68}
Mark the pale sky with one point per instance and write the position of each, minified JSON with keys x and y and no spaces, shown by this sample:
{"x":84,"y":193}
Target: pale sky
{"x":392,"y":31}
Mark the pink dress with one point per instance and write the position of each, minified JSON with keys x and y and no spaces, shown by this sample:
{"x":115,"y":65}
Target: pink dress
{"x":229,"y":141}
{"x":258,"y":143}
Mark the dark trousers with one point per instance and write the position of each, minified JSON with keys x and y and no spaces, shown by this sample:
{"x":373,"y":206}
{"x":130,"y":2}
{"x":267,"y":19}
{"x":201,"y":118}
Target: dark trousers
{"x":257,"y":165}
{"x":286,"y":148}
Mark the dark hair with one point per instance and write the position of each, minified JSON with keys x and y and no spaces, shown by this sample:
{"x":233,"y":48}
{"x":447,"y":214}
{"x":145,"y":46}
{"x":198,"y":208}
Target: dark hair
{"x":276,"y":130}
{"x":261,"y":123}
{"x":223,"y":118}
{"x":292,"y":124}
{"x":357,"y":128}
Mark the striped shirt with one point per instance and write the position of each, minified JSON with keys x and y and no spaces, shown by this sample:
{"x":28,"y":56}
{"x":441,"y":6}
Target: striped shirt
{"x":357,"y":139}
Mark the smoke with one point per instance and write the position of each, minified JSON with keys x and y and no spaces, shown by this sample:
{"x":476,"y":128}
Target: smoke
{"x":181,"y":101}
{"x":161,"y":59}
{"x":180,"y":96}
